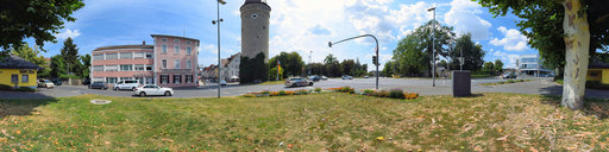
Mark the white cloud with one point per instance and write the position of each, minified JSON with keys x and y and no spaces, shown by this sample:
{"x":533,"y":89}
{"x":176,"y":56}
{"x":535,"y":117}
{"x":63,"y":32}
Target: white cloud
{"x":508,"y":59}
{"x":68,"y":33}
{"x":513,"y":40}
{"x":463,"y":15}
{"x":210,"y":48}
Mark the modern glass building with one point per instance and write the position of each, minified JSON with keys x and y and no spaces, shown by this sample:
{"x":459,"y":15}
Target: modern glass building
{"x":531,"y":65}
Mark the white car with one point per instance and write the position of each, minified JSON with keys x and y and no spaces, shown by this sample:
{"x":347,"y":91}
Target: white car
{"x":151,"y":89}
{"x":127,"y":85}
{"x":45,"y":84}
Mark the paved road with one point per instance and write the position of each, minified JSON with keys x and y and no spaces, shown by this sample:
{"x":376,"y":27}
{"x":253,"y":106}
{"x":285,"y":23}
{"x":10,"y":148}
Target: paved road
{"x":419,"y":85}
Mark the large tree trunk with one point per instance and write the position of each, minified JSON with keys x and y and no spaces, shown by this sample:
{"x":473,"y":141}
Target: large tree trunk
{"x":577,"y":41}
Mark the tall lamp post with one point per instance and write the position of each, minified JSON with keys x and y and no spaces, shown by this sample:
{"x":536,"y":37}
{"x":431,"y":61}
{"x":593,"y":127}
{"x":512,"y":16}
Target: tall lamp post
{"x":218,"y":20}
{"x":375,"y":59}
{"x":433,"y":46}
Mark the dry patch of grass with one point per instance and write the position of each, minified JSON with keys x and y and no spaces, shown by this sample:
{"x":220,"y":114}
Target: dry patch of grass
{"x":331,"y":121}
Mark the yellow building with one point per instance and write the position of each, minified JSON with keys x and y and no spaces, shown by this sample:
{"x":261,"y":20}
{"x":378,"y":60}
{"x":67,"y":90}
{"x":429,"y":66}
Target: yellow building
{"x":599,"y":73}
{"x":16,"y":72}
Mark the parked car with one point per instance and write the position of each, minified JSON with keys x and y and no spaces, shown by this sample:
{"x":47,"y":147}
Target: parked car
{"x":366,"y":77}
{"x":314,"y":78}
{"x":223,"y":83}
{"x":509,"y":76}
{"x":347,"y":77}
{"x":297,"y":81}
{"x":45,"y":84}
{"x":98,"y":85}
{"x":57,"y":81}
{"x":86,"y":81}
{"x":127,"y":84}
{"x":151,"y":89}
{"x":324,"y":78}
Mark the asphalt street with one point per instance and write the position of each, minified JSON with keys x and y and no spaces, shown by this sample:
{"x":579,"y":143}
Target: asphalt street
{"x":422,"y":86}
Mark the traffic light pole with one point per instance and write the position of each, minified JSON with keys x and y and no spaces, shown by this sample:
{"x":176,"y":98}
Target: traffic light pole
{"x":376,"y":63}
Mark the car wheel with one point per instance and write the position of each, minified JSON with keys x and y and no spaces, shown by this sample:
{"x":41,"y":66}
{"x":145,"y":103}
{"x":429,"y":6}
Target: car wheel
{"x":115,"y":88}
{"x":167,"y":93}
{"x":311,"y":84}
{"x":133,"y":89}
{"x":142,"y":94}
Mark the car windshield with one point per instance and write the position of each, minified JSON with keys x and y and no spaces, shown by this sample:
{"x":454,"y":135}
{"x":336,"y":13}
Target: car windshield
{"x":98,"y":82}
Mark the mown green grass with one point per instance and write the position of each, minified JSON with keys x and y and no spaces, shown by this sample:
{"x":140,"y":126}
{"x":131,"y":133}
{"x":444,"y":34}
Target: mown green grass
{"x":272,"y":82}
{"x":320,"y":122}
{"x":505,"y":82}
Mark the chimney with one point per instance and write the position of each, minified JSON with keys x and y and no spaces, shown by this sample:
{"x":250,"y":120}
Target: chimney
{"x":144,"y":42}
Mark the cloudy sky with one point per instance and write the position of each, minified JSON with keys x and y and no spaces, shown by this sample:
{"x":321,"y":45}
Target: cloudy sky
{"x":304,"y":26}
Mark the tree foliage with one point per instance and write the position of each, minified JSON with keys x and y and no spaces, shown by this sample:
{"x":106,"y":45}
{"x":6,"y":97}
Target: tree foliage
{"x":333,"y":67}
{"x":291,"y":62}
{"x":58,"y":67}
{"x":410,"y":56}
{"x":472,"y":54}
{"x":498,"y":66}
{"x":39,"y":19}
{"x":33,"y":55}
{"x":253,"y":70}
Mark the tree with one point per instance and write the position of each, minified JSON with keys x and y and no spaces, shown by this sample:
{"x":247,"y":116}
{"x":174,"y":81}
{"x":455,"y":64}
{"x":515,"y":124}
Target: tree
{"x":38,"y":19}
{"x":291,"y":62}
{"x":391,"y":68}
{"x":273,"y":74}
{"x":69,"y":52}
{"x":86,"y":64}
{"x":584,"y":30}
{"x":442,"y":35}
{"x":472,"y":54}
{"x":348,"y":66}
{"x":410,"y":56}
{"x":332,"y":66}
{"x":253,"y":70}
{"x":498,"y":66}
{"x":58,"y":67}
{"x":489,"y":68}
{"x":33,"y":55}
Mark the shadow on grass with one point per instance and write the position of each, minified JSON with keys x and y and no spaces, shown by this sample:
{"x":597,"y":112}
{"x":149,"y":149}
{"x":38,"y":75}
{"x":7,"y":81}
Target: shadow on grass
{"x":21,"y":106}
{"x":593,"y":105}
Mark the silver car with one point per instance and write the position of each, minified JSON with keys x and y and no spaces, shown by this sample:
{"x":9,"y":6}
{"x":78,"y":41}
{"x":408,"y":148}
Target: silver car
{"x":297,"y":82}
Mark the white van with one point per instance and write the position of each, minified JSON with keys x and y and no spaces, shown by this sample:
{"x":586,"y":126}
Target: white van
{"x":127,"y":84}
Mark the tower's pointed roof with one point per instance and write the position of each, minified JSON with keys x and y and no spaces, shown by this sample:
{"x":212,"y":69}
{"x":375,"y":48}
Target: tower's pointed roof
{"x":255,"y":1}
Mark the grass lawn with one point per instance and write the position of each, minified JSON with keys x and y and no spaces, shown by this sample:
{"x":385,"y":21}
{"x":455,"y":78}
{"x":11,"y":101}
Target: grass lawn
{"x":505,"y":82}
{"x":330,"y":121}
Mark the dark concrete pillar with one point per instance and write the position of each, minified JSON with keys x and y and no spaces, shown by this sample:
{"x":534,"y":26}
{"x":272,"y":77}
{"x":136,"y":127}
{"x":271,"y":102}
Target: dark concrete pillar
{"x":462,"y":83}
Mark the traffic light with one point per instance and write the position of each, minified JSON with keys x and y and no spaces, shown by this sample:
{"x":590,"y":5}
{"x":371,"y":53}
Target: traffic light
{"x":375,"y":60}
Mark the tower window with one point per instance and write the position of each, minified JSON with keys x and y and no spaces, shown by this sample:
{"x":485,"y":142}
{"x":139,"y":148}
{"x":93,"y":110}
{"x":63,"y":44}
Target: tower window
{"x":264,"y":27}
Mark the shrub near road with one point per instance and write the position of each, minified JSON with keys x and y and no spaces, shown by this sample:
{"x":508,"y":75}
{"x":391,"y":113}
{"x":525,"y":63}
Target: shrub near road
{"x":318,"y":122}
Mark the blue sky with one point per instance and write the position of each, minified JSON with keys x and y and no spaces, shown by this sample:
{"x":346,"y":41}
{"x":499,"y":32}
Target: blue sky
{"x":304,"y":26}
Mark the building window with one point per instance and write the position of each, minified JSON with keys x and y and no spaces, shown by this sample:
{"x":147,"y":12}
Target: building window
{"x":164,"y":48}
{"x":111,"y":80}
{"x":188,"y":42}
{"x":188,"y":64}
{"x":149,"y":80}
{"x":126,"y":78}
{"x":177,"y":79}
{"x":188,"y":79}
{"x":164,"y":39}
{"x":111,"y":68}
{"x":148,"y":55}
{"x":14,"y":78}
{"x":126,"y":67}
{"x":139,"y":67}
{"x":164,"y":79}
{"x":188,"y":51}
{"x":98,"y":56}
{"x":176,"y":41}
{"x":126,"y":55}
{"x":25,"y":78}
{"x":177,"y":48}
{"x":111,"y":56}
{"x":98,"y":68}
{"x":164,"y":64}
{"x":148,"y":67}
{"x":177,"y":64}
{"x":138,"y":55}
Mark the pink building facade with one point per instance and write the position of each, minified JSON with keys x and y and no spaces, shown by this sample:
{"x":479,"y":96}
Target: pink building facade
{"x":170,"y":62}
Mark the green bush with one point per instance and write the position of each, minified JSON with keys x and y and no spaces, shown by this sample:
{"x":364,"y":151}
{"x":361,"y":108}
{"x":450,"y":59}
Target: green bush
{"x":253,"y":70}
{"x":265,"y":92}
{"x":521,"y":80}
{"x":282,"y":93}
{"x":396,"y":93}
{"x":368,"y":92}
{"x":25,"y":89}
{"x":302,"y":92}
{"x":318,"y":90}
{"x":510,"y":81}
{"x":5,"y":87}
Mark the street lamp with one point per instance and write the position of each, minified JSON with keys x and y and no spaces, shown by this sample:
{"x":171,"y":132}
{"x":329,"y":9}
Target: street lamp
{"x":375,"y":60}
{"x":218,"y":20}
{"x":433,"y":46}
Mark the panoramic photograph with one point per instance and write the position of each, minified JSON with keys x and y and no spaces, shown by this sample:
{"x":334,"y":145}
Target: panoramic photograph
{"x":304,"y":75}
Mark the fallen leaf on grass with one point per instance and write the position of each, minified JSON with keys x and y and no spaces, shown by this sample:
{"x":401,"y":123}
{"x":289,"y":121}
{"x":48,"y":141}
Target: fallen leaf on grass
{"x":167,"y":140}
{"x":502,"y":138}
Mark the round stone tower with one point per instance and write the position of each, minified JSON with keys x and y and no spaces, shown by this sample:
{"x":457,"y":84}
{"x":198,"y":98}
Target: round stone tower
{"x":255,"y":16}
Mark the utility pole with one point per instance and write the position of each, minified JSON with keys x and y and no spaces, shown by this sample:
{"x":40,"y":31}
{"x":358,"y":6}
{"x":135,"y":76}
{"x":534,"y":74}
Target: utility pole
{"x":433,"y":46}
{"x":218,"y":20}
{"x":375,"y":62}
